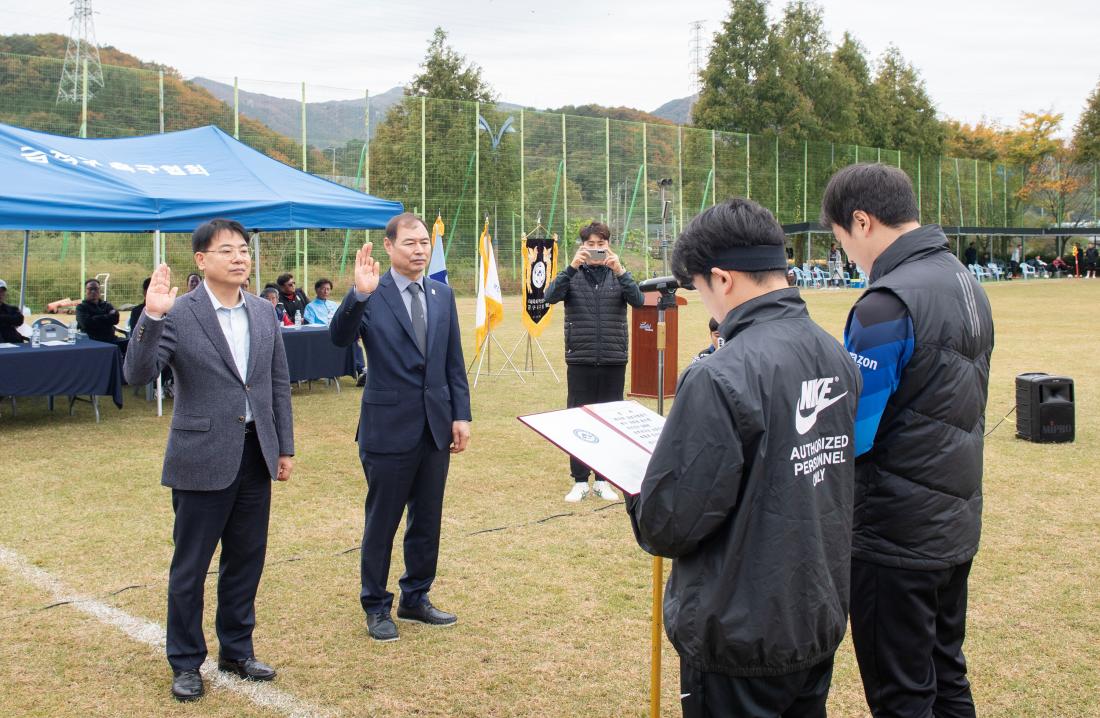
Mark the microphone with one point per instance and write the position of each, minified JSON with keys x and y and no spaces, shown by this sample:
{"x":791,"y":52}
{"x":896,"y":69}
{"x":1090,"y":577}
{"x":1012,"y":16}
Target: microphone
{"x":659,"y":284}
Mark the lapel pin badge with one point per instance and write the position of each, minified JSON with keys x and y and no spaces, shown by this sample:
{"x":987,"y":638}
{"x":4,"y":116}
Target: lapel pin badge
{"x":433,"y":290}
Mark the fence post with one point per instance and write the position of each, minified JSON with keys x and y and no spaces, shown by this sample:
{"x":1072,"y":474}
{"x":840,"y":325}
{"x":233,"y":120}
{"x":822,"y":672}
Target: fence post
{"x":919,"y":208}
{"x":713,"y":171}
{"x":160,"y":87}
{"x":777,"y":176}
{"x":366,"y":154}
{"x":564,"y":181}
{"x":939,"y":191}
{"x":477,"y":173}
{"x":680,"y":173}
{"x":236,"y":111}
{"x":748,"y":166}
{"x":805,"y":180}
{"x":302,"y":251}
{"x":607,"y":165}
{"x":423,"y":158}
{"x":645,"y":195}
{"x":522,"y":175}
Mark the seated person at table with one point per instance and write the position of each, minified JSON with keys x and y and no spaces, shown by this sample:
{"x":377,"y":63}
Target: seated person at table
{"x":321,"y":309}
{"x":95,"y":317}
{"x":294,"y":300}
{"x":135,"y":312}
{"x":271,"y":294}
{"x":10,"y":318}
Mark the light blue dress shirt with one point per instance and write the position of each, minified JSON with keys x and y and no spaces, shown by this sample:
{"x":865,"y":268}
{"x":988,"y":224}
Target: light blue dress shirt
{"x":234,"y":324}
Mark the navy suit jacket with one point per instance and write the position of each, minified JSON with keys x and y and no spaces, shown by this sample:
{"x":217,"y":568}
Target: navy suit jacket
{"x":406,"y":389}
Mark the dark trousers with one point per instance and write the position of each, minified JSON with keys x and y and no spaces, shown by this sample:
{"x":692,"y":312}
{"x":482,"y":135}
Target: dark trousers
{"x":588,"y":384}
{"x":415,"y":479}
{"x":237,"y":516}
{"x":792,"y":695}
{"x":908,"y":629}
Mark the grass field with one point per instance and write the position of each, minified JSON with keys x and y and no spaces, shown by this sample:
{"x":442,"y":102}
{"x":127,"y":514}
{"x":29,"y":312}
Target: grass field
{"x":554,"y":606}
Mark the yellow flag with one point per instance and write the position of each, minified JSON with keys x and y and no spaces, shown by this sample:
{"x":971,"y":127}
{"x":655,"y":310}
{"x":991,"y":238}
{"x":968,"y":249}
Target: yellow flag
{"x":490,"y":303}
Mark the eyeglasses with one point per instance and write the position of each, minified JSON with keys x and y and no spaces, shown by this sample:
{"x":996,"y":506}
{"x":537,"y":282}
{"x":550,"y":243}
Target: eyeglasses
{"x":231,"y":252}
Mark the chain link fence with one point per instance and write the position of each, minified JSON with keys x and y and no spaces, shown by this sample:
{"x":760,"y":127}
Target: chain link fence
{"x":470,"y":163}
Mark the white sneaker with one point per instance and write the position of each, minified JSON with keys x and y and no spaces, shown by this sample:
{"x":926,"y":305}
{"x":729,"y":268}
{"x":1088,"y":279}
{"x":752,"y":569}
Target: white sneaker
{"x":603,"y":490}
{"x":578,"y":493}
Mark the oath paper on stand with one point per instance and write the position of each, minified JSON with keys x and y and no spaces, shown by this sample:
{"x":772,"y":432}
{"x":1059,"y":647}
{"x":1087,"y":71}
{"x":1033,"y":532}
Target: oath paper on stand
{"x":614,"y":439}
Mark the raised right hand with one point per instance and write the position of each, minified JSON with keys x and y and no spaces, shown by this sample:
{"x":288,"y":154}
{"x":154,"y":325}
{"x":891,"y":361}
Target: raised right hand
{"x":366,"y":270}
{"x":581,"y":257}
{"x":161,"y":295}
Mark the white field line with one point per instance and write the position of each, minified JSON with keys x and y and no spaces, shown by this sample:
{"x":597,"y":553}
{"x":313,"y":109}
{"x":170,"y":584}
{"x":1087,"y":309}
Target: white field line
{"x":152,"y":634}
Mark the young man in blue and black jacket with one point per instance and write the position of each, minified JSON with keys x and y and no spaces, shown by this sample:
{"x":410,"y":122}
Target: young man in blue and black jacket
{"x":922,"y":336}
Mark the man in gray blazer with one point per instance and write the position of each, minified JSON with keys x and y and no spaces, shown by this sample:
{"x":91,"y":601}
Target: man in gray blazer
{"x":231,"y":433}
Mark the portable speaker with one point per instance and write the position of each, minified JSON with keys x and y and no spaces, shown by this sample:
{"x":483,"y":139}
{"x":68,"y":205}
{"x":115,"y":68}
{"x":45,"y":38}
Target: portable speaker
{"x":1044,"y":408}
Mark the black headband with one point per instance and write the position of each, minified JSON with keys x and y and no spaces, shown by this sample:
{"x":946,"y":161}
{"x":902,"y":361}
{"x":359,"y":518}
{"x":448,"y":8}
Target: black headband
{"x":754,"y":258}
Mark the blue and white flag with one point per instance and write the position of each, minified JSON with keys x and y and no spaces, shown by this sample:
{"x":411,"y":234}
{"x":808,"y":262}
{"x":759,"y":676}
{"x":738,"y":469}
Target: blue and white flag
{"x":437,"y":266}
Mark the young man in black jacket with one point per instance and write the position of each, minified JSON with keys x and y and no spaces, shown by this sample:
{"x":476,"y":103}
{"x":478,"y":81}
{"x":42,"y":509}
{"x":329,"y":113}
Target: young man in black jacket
{"x":596,"y":289}
{"x":750,"y":486}
{"x":922,"y":335}
{"x":96,"y":317}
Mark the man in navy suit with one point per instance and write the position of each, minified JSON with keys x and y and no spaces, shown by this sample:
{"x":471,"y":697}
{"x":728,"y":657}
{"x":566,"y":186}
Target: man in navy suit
{"x":415,"y":414}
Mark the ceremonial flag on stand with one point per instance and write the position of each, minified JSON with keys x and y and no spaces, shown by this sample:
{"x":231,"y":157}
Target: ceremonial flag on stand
{"x":539,"y":269}
{"x":437,"y":267}
{"x":490,"y":303}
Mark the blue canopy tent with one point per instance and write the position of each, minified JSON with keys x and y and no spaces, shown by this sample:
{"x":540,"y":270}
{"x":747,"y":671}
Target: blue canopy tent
{"x":169,"y":182}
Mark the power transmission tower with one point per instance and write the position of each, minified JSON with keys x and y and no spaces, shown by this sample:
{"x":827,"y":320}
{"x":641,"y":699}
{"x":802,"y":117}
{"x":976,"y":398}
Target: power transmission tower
{"x":696,"y":54}
{"x":82,"y":47}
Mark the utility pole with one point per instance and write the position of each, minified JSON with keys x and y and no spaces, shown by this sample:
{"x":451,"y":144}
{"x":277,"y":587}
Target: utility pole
{"x":696,"y":54}
{"x":80,"y":49}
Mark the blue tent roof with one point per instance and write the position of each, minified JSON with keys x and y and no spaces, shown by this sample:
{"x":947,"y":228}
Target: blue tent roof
{"x":172,"y":182}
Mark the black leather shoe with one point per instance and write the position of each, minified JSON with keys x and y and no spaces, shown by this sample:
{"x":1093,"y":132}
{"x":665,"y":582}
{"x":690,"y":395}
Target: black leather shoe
{"x":247,"y":668}
{"x":381,"y":627}
{"x":362,"y":380}
{"x":426,"y":613}
{"x":187,"y":685}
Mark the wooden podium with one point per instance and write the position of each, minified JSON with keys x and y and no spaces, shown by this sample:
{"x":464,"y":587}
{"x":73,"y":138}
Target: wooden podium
{"x":643,"y":347}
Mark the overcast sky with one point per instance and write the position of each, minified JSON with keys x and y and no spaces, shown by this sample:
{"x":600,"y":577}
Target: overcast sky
{"x":990,"y":60}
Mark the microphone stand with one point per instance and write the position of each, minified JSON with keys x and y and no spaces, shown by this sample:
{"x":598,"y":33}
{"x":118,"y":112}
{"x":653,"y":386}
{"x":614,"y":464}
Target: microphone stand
{"x":666,"y":299}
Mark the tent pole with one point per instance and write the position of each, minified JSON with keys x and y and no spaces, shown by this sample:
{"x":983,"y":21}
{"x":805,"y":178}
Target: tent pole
{"x":23,"y":275}
{"x":156,"y":263}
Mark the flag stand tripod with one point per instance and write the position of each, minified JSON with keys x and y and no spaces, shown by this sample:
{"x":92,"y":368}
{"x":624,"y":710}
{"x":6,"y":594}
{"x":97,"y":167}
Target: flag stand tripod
{"x":529,"y":358}
{"x":484,"y":353}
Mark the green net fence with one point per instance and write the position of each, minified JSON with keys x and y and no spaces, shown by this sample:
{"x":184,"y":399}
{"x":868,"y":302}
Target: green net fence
{"x":471,"y":163}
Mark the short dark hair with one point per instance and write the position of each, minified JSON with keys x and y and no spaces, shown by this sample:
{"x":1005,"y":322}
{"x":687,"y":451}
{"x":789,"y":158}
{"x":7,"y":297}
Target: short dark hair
{"x":145,"y":284}
{"x":599,"y":229}
{"x":89,"y":281}
{"x":713,"y":324}
{"x":282,"y":279}
{"x":884,"y":192}
{"x":734,"y":223}
{"x":204,"y":234}
{"x":320,"y":282}
{"x":405,"y":219}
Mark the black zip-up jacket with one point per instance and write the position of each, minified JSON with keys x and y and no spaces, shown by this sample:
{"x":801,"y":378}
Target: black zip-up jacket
{"x":97,"y":319}
{"x":10,"y":318}
{"x":595,"y":313}
{"x":750,"y":490}
{"x":919,"y":488}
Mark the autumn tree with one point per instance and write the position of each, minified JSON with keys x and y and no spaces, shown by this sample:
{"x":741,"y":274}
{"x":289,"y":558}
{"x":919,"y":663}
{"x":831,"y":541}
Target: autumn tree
{"x":1086,"y":135}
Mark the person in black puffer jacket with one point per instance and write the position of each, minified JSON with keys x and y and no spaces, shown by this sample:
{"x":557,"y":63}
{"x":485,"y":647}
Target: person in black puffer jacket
{"x":922,"y":336}
{"x":596,"y":293}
